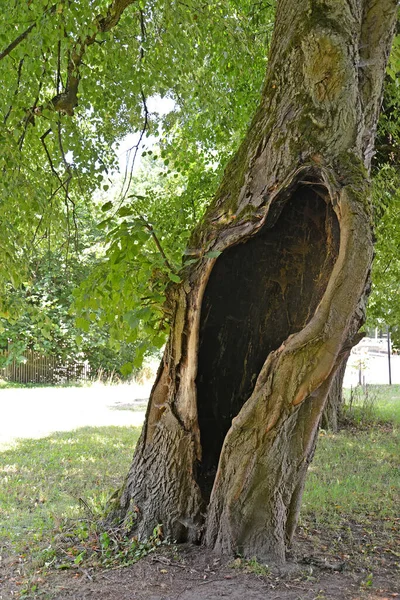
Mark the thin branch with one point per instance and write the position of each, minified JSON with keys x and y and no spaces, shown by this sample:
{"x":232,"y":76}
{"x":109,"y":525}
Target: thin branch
{"x":68,"y":230}
{"x":17,"y":41}
{"x":42,"y":139}
{"x":62,"y":185}
{"x":126,"y":185}
{"x":60,"y":145}
{"x":145,"y":124}
{"x":143,"y":34}
{"x":21,"y":62}
{"x":30,"y":117}
{"x":150,"y":229}
{"x":67,"y":101}
{"x":58,"y":77}
{"x":74,"y":220}
{"x":24,"y":35}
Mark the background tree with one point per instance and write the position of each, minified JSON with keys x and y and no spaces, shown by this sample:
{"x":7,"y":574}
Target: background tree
{"x":61,"y":133}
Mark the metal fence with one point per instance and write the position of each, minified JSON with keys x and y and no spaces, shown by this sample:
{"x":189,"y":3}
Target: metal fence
{"x":39,"y":368}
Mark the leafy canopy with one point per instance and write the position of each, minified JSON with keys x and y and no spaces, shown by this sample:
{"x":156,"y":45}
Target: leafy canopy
{"x":77,"y":78}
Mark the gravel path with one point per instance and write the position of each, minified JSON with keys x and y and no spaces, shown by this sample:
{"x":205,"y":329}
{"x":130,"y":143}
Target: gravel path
{"x":37,"y":412}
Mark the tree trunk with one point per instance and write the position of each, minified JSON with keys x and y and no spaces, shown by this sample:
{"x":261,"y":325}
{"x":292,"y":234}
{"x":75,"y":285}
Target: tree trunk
{"x":258,"y":332}
{"x":334,"y":400}
{"x":331,"y":412}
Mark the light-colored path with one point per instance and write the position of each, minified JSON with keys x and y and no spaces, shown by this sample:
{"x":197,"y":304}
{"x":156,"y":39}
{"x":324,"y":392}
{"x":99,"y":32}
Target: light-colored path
{"x":374,"y":370}
{"x":37,"y":412}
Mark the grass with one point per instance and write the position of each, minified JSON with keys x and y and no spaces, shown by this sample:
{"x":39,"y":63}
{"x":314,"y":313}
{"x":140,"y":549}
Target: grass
{"x":351,"y":499}
{"x":354,"y":474}
{"x":9,"y":385}
{"x":53,"y":490}
{"x":358,"y":470}
{"x":373,"y":404}
{"x":44,"y":482}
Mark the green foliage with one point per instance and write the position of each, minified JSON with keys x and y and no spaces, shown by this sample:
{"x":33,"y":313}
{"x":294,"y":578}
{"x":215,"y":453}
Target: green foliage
{"x":384,"y":303}
{"x":37,"y":316}
{"x":76,"y":83}
{"x":73,"y":87}
{"x":145,"y":238}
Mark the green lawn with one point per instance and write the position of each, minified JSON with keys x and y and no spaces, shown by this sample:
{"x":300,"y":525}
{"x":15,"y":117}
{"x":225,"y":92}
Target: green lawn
{"x":57,"y":487}
{"x":45,"y":481}
{"x":375,"y":403}
{"x":357,"y":470}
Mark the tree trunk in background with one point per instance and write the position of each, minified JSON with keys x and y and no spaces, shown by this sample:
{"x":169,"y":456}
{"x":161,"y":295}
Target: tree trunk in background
{"x":258,"y":333}
{"x":331,"y":413}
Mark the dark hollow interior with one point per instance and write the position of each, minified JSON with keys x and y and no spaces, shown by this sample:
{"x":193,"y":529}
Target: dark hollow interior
{"x":259,"y":292}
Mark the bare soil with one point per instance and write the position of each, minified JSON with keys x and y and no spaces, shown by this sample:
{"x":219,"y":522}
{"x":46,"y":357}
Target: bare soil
{"x":323,"y":566}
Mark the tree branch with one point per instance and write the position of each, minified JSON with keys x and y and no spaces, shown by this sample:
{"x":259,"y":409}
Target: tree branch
{"x":21,"y":62}
{"x":128,"y":179}
{"x":17,"y":41}
{"x":379,"y":21}
{"x":150,"y":229}
{"x":68,"y":99}
{"x":23,"y":35}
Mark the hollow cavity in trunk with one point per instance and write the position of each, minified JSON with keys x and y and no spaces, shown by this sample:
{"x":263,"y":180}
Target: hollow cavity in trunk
{"x":259,"y":293}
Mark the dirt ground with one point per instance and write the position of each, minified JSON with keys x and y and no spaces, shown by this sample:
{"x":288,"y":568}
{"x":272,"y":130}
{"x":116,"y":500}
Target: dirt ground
{"x":314,"y":572}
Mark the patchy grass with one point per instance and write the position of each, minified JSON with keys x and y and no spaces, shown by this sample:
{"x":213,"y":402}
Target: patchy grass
{"x":355,"y":474}
{"x":351,"y":501}
{"x":251,"y":565}
{"x":44,"y":482}
{"x":53,"y":492}
{"x":7,"y":385}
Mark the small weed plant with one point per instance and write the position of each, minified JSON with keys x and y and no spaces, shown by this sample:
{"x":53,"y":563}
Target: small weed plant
{"x":251,"y":565}
{"x":360,"y":405}
{"x":371,"y":405}
{"x":88,"y":544}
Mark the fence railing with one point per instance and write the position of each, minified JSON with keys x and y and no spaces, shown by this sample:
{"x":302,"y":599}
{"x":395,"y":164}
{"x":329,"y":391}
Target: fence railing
{"x":39,"y":368}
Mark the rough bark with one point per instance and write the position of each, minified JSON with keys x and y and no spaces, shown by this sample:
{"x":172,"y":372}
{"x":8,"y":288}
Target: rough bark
{"x":258,"y":333}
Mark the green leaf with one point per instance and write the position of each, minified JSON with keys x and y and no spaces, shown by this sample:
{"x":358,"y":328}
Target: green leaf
{"x":126,"y":369}
{"x":173,"y":277}
{"x":212,"y":254}
{"x":83,"y":324}
{"x":107,"y":206}
{"x":125,"y":211}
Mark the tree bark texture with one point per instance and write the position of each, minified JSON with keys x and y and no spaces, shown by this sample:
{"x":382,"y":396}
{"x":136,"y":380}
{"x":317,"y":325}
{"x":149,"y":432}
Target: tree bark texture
{"x":258,"y":333}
